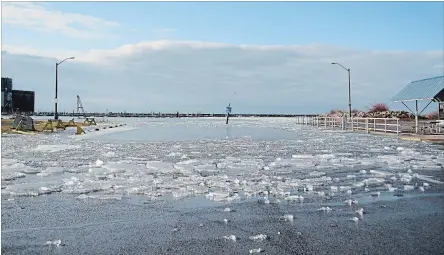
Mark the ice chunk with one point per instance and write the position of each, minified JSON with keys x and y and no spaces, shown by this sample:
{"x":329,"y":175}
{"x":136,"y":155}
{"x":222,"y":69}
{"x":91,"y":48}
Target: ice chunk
{"x":12,"y":176}
{"x":344,"y":188}
{"x":174,"y":154}
{"x":54,"y":243}
{"x":227,"y":209}
{"x":350,"y":202}
{"x":302,"y":156}
{"x":56,"y":147}
{"x":288,"y":217}
{"x":325,"y":209}
{"x":355,"y":219}
{"x":259,"y":237}
{"x":98,"y":163}
{"x":292,"y":198}
{"x":110,"y":154}
{"x":317,"y":174}
{"x":380,"y":173}
{"x":409,"y":187}
{"x":231,"y":238}
{"x":360,"y":211}
{"x":425,"y":178}
{"x":371,"y":181}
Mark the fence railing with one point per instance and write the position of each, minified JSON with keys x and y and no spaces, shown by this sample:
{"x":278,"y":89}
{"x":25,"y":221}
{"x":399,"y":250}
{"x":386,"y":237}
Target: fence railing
{"x":386,"y":125}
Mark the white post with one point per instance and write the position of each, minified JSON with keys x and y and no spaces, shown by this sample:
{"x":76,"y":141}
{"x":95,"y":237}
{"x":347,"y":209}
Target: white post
{"x":366,"y":125}
{"x":397,"y":126}
{"x":385,"y":125}
{"x":416,"y":116}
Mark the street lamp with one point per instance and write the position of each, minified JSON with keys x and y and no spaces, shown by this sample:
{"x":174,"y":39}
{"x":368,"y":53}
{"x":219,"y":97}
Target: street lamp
{"x":56,"y":115}
{"x":349,"y":89}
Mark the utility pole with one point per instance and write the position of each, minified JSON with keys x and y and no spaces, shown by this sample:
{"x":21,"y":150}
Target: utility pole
{"x":349,"y":89}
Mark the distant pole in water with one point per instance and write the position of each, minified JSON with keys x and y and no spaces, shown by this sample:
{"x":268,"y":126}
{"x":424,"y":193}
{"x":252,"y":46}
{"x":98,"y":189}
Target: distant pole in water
{"x":228,"y":112}
{"x":177,"y":115}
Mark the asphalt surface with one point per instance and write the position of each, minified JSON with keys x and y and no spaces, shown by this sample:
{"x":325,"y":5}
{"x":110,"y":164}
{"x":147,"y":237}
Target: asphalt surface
{"x":196,"y":226}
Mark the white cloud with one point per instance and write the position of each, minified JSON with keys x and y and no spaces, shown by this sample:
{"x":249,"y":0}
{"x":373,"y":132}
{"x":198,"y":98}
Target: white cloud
{"x":37,"y":16}
{"x":192,"y":76}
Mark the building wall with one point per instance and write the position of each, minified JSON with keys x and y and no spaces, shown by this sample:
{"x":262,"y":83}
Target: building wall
{"x":23,"y":101}
{"x":6,"y":84}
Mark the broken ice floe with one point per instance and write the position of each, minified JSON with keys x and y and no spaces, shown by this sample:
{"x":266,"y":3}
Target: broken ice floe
{"x":325,"y":209}
{"x":230,"y":238}
{"x":54,"y":243}
{"x":287,"y":217}
{"x":355,"y":219}
{"x":259,"y":237}
{"x":258,"y":250}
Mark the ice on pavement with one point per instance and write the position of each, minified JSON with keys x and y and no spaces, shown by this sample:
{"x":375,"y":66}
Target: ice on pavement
{"x":299,"y":164}
{"x":259,"y":237}
{"x":54,"y":243}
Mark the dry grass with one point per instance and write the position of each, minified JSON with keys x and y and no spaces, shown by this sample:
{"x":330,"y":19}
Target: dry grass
{"x":38,"y":124}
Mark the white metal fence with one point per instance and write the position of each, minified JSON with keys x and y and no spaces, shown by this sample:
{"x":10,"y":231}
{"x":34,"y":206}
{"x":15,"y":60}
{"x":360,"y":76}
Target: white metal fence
{"x":386,"y":125}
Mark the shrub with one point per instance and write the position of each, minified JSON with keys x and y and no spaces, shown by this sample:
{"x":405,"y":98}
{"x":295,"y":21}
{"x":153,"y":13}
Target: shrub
{"x":335,"y":113}
{"x":432,"y":115}
{"x":379,"y":107}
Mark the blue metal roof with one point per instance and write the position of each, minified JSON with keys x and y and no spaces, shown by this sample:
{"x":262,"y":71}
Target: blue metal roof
{"x":427,"y":89}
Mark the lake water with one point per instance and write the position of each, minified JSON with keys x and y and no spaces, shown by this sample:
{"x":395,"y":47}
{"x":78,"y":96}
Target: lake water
{"x":187,"y":133}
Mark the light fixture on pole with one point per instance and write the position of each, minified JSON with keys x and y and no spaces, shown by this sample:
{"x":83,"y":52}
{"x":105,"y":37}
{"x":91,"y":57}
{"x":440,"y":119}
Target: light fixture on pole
{"x":56,"y":114}
{"x":349,"y":89}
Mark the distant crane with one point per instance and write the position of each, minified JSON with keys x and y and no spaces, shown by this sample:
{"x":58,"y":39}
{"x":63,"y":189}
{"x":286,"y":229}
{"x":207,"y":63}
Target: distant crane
{"x":80,"y":107}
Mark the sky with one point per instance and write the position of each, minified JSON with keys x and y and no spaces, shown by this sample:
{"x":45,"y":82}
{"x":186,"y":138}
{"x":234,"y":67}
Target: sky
{"x":262,"y":57}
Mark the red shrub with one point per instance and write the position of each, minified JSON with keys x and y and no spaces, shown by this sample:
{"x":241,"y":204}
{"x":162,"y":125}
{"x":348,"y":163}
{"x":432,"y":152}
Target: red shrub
{"x":379,"y":107}
{"x":432,"y":115}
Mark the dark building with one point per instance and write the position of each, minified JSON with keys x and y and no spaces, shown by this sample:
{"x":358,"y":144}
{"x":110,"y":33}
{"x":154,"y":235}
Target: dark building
{"x":16,"y":100}
{"x":23,"y":101}
{"x":6,"y":84}
{"x":6,"y":96}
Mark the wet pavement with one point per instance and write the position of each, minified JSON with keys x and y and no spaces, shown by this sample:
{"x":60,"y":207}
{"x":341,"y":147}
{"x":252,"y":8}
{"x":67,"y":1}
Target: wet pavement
{"x":196,"y":226}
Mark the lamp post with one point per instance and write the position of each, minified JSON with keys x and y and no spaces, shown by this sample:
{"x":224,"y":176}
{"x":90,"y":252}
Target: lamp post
{"x":349,"y":89}
{"x":56,"y":114}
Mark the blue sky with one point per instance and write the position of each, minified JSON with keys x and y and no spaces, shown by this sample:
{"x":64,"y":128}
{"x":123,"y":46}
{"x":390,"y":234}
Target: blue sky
{"x":362,"y":25}
{"x":354,"y":32}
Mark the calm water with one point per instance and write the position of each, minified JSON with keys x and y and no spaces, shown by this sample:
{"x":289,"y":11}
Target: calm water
{"x":189,"y":133}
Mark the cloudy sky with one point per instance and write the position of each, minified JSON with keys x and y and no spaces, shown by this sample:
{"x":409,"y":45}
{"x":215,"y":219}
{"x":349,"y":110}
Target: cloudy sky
{"x":198,"y":57}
